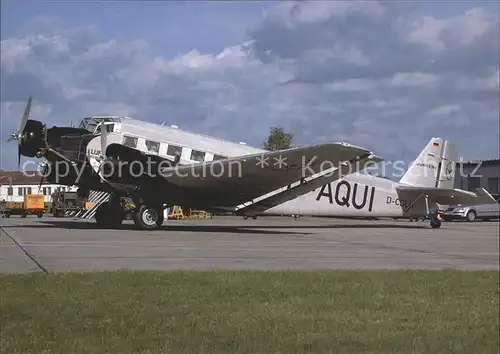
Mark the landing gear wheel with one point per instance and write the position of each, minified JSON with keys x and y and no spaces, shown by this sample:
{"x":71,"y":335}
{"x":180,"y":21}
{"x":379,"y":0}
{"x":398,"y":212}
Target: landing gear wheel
{"x":435,"y":224}
{"x":254,"y":217}
{"x":108,"y":217}
{"x":436,"y":220}
{"x":471,"y":216}
{"x":149,"y":218}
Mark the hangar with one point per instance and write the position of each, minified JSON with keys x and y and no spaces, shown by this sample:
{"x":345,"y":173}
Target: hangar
{"x":479,"y":174}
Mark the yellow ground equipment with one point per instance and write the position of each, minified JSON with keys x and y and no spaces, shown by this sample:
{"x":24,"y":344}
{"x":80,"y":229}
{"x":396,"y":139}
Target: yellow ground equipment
{"x":176,"y":212}
{"x":33,"y":204}
{"x":199,"y":214}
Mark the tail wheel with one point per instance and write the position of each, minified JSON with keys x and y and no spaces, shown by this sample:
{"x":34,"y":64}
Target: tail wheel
{"x":471,"y":216}
{"x":149,"y":218}
{"x":435,"y":224}
{"x":436,"y":220}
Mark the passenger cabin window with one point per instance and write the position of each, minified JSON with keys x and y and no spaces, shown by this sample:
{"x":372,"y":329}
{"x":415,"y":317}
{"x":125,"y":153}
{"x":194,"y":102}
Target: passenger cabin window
{"x":172,"y":150}
{"x":130,"y":141}
{"x":197,"y":156}
{"x":219,"y":157}
{"x":153,"y":146}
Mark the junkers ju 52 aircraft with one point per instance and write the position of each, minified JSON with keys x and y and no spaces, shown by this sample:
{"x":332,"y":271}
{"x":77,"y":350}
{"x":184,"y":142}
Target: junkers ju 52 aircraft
{"x":158,"y":166}
{"x":427,"y":184}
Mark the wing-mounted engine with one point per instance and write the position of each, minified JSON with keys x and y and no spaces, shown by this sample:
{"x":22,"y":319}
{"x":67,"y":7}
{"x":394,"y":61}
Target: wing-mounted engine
{"x":127,"y":165}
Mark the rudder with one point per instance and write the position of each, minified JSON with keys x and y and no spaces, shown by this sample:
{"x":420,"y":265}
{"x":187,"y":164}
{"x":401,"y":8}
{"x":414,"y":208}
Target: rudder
{"x":424,"y":171}
{"x":447,"y":165}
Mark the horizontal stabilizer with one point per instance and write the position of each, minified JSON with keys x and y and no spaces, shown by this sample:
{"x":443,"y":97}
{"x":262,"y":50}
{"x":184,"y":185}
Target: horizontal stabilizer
{"x":450,"y":196}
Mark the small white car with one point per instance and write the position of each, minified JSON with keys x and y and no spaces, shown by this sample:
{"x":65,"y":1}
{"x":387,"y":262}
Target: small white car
{"x":472,"y":213}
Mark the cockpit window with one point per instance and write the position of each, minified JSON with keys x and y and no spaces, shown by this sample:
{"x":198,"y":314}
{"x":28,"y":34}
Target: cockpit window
{"x":90,"y":123}
{"x":109,"y":128}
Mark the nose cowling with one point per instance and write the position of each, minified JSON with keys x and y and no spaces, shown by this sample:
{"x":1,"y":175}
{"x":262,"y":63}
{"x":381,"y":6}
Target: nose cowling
{"x":31,"y":139}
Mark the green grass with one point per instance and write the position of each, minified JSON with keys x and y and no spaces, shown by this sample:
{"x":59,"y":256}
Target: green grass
{"x":252,"y":312}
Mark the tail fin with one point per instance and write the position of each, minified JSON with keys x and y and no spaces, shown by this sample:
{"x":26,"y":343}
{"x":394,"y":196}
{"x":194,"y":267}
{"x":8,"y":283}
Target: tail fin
{"x":446,"y":169}
{"x":434,"y":167}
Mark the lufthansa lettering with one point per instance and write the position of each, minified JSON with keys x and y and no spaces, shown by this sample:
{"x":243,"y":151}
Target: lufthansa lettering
{"x":428,"y":165}
{"x":94,"y":152}
{"x":348,"y":195}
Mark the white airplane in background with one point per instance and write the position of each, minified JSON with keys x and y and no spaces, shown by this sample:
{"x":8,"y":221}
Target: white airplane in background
{"x":237,"y":174}
{"x":428,"y":183}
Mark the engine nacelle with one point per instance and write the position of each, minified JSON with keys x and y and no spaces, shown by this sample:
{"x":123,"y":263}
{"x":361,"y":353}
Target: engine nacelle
{"x":130,"y":166}
{"x":32,"y":138}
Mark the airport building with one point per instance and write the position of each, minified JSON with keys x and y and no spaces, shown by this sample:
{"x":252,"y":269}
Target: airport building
{"x":479,"y":174}
{"x":14,"y":185}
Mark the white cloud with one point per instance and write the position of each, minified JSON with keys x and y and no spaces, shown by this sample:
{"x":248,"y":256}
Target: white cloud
{"x":369,"y":73}
{"x":413,"y":79}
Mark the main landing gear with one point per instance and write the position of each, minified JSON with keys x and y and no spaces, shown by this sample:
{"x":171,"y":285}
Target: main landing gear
{"x":147,"y":216}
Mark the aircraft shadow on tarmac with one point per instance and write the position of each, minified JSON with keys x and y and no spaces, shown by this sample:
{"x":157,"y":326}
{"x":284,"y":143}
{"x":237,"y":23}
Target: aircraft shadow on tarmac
{"x":75,"y":225}
{"x":255,"y":229}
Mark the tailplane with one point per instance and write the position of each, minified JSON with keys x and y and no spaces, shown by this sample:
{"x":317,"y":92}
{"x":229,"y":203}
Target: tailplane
{"x":434,"y":167}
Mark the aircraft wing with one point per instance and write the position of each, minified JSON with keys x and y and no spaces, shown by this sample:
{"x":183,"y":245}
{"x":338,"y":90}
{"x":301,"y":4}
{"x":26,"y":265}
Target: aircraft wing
{"x":306,"y":185}
{"x":234,"y":181}
{"x":446,"y":196}
{"x":228,"y":183}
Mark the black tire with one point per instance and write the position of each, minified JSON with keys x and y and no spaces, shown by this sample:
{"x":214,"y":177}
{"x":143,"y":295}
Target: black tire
{"x":471,"y":216}
{"x":149,"y":218}
{"x":39,"y":215}
{"x":435,"y":224}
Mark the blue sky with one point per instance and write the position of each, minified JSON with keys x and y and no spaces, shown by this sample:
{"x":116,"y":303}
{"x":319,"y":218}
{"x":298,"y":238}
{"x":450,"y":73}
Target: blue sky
{"x":387,"y":76}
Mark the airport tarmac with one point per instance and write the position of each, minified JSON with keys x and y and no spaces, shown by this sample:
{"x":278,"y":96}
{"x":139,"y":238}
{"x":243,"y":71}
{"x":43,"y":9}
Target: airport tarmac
{"x":63,"y":244}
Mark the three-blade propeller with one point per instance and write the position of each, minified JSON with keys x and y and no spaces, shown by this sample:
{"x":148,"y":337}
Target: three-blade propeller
{"x":19,"y":134}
